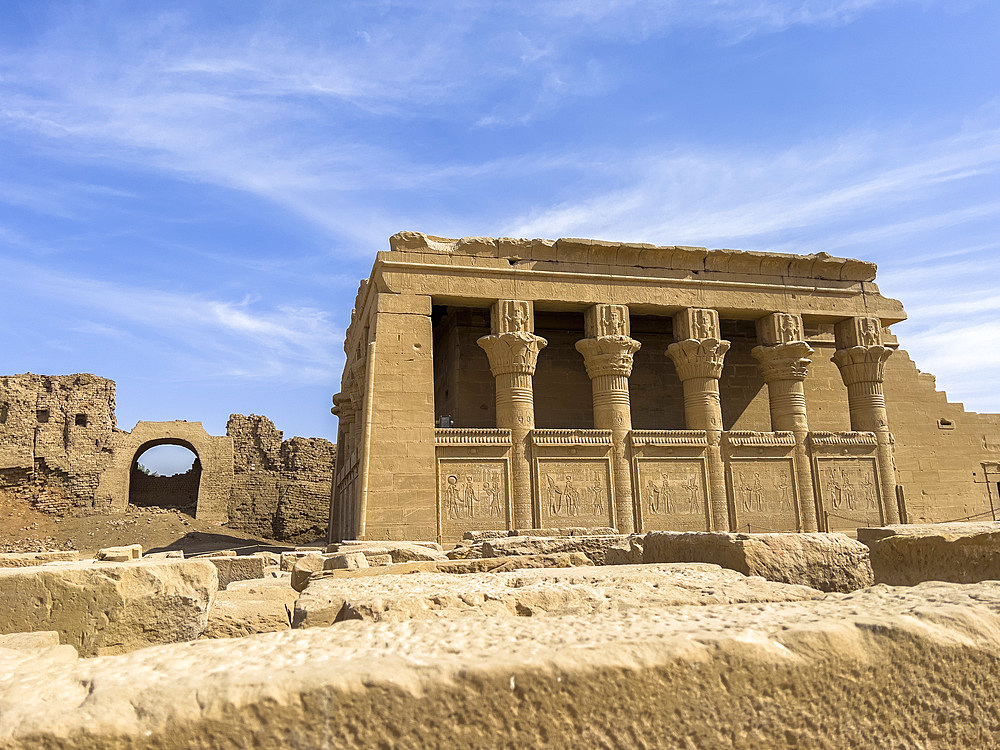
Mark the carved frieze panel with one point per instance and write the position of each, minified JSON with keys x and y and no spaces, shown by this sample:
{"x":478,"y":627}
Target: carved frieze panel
{"x":573,"y":492}
{"x":696,"y":323}
{"x":779,"y":328}
{"x":672,"y":493}
{"x":512,"y":316}
{"x":473,"y":495}
{"x":849,"y":494}
{"x":762,"y":492}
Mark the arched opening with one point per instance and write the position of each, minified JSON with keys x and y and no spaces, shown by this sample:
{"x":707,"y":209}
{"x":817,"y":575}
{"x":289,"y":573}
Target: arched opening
{"x":166,"y":474}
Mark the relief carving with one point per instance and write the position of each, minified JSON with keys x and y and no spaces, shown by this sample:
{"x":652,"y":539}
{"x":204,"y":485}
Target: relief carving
{"x":513,"y":316}
{"x":575,"y":490}
{"x":763,"y":493}
{"x":672,"y":494}
{"x":473,"y":494}
{"x":850,"y":492}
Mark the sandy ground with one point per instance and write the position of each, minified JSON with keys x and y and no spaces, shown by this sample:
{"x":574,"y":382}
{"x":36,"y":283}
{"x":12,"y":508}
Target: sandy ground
{"x":24,"y":529}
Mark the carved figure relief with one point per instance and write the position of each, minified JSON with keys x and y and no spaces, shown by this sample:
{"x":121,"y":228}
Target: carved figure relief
{"x":473,"y":494}
{"x":614,"y":321}
{"x":703,"y":324}
{"x":514,"y":316}
{"x":672,"y":494}
{"x":869,"y":331}
{"x":574,"y":489}
{"x":764,"y":494}
{"x":789,"y":328}
{"x":849,"y":490}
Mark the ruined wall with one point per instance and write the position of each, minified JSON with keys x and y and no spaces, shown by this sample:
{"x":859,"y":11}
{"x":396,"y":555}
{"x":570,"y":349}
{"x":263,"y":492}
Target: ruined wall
{"x":178,"y":491}
{"x":281,"y":489}
{"x":56,"y":437}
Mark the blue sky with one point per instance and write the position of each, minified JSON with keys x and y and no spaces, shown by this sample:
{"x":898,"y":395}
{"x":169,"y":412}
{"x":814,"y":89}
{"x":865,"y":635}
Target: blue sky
{"x":189,"y":197}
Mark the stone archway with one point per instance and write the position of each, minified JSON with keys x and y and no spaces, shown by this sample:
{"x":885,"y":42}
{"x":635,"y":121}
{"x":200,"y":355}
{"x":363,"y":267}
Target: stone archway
{"x":215,"y":454}
{"x":178,"y":491}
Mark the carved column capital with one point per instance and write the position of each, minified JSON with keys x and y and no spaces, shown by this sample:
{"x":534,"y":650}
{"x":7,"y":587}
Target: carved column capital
{"x":608,"y":355}
{"x":784,"y":361}
{"x":512,"y":353}
{"x":698,"y":358}
{"x":862,"y":364}
{"x":344,"y":407}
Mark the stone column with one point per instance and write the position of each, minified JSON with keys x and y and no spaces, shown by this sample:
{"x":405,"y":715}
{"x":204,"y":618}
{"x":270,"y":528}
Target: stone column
{"x":513,"y":349}
{"x":607,"y":353}
{"x":698,"y":354}
{"x":861,"y":357}
{"x":340,"y":507}
{"x":784,"y":364}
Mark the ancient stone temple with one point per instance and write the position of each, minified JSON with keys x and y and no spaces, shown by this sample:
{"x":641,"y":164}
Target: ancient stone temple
{"x":515,"y":384}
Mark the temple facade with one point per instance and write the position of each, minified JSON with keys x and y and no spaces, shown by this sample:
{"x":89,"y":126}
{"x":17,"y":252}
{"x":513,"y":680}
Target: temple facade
{"x":518,"y":384}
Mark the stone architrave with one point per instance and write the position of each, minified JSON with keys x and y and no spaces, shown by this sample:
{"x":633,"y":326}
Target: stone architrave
{"x":861,"y":357}
{"x":784,"y":364}
{"x":607,"y":353}
{"x":513,"y":353}
{"x":698,"y":355}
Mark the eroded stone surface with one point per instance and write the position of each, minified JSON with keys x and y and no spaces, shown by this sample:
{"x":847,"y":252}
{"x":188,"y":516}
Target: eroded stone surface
{"x":839,"y":671}
{"x":530,"y":593}
{"x":237,"y":568}
{"x":399,"y":551}
{"x":110,"y":607}
{"x":594,"y":547}
{"x":959,"y":552}
{"x":250,"y":607}
{"x":28,"y":559}
{"x":829,"y":562}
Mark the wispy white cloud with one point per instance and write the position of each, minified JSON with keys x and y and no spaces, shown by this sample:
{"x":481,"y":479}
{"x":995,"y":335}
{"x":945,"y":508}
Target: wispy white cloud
{"x":187,"y":336}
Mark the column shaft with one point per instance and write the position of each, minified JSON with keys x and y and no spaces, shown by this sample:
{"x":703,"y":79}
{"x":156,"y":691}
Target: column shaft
{"x":609,"y":364}
{"x":699,"y":367}
{"x":784,"y":367}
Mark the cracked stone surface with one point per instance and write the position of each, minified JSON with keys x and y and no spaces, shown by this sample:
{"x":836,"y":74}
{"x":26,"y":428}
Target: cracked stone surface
{"x":531,"y":593}
{"x":880,"y":668}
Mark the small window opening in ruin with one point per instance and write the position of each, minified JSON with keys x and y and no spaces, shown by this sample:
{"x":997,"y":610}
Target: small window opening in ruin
{"x":81,"y":420}
{"x":165,"y":476}
{"x":42,"y":415}
{"x":4,"y":413}
{"x":946,"y":424}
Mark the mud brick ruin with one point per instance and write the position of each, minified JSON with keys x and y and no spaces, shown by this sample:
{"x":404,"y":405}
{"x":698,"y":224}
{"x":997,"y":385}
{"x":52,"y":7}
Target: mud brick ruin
{"x":59,"y":443}
{"x":516,"y":384}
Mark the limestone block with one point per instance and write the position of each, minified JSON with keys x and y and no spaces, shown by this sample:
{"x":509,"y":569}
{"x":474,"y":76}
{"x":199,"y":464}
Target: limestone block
{"x":346,"y":561}
{"x":904,"y":555}
{"x":828,"y":562}
{"x":270,"y":558}
{"x":378,"y":560}
{"x":218,"y":553}
{"x":399,"y":551}
{"x":304,"y":567}
{"x":110,"y":607}
{"x":250,"y":607}
{"x":628,"y":553}
{"x":120,"y":554}
{"x":288,"y":559}
{"x":778,"y":675}
{"x":38,"y":639}
{"x":176,"y":554}
{"x":234,"y":568}
{"x":529,"y":593}
{"x":28,"y":559}
{"x":594,"y":547}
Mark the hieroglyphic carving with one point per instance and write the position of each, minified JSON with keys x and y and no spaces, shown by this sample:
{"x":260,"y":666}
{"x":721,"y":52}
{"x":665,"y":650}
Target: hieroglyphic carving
{"x":574,"y":492}
{"x":472,"y":494}
{"x":672,"y":494}
{"x":763,"y":492}
{"x":849,"y":491}
{"x":779,"y":328}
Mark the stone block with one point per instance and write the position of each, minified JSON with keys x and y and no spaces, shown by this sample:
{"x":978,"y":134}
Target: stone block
{"x":587,"y":590}
{"x":120,"y":554}
{"x":28,"y":559}
{"x":399,"y":551}
{"x":346,"y":561}
{"x":234,"y":568}
{"x":594,"y":547}
{"x":905,"y":555}
{"x":304,"y":567}
{"x":38,"y":639}
{"x":288,"y":559}
{"x":251,"y":607}
{"x":110,"y":608}
{"x":828,"y":562}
